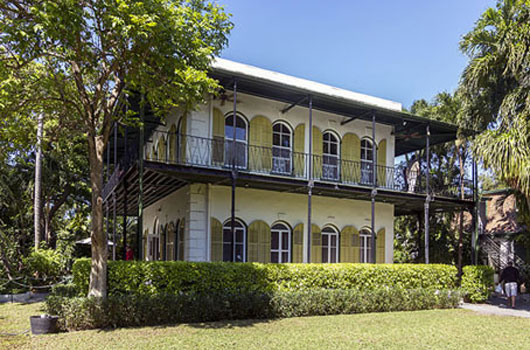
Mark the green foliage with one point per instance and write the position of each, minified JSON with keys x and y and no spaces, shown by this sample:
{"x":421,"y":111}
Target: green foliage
{"x":477,"y":283}
{"x":46,"y":264}
{"x":141,"y":310}
{"x":146,"y":278}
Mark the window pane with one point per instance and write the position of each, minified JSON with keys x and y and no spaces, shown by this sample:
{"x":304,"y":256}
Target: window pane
{"x":239,"y":253}
{"x":333,"y":255}
{"x":325,"y":240}
{"x":227,"y":235}
{"x":227,"y":252}
{"x":277,"y":127}
{"x":239,"y":236}
{"x":324,"y":254}
{"x":285,"y":241}
{"x":274,"y":257}
{"x":276,"y":139}
{"x":286,"y":141}
{"x":333,"y":240}
{"x":274,"y":240}
{"x":285,"y":257}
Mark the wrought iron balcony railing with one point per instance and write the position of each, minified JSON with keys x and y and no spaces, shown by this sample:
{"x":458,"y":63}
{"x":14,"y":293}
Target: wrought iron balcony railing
{"x":278,"y":161}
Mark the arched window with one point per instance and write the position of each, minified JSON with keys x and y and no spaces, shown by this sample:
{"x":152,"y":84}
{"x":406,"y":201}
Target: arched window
{"x":366,"y":248}
{"x":241,"y":133}
{"x":153,"y":243}
{"x":281,"y":148}
{"x":367,"y":162}
{"x":330,"y":243}
{"x":330,"y":156}
{"x":234,"y":245}
{"x":280,"y":243}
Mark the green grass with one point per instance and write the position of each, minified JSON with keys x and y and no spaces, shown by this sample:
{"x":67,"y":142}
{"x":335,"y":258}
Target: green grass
{"x":436,"y":329}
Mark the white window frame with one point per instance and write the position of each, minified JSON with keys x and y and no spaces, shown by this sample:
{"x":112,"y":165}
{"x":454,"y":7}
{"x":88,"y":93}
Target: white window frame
{"x":365,"y":246}
{"x":152,"y":254}
{"x":243,"y":228}
{"x":229,"y":139}
{"x":281,"y":147}
{"x":334,"y":232}
{"x":367,"y":165}
{"x":284,"y":230}
{"x":330,"y":155}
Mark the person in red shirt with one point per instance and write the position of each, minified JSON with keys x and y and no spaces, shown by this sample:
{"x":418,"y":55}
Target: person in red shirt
{"x":129,"y":254}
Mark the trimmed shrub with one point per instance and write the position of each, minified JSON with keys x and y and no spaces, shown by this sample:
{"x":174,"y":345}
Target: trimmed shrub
{"x":477,"y":283}
{"x":160,"y":277}
{"x":80,"y":313}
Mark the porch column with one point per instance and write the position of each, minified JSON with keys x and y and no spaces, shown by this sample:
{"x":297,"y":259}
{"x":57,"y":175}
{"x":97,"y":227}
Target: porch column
{"x":141,"y":141}
{"x":428,"y":193}
{"x":233,"y":174}
{"x":374,"y":192}
{"x":310,"y":179}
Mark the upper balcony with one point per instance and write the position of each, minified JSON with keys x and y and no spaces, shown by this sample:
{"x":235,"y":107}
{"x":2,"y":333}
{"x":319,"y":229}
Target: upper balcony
{"x":172,"y":159}
{"x":280,"y":162}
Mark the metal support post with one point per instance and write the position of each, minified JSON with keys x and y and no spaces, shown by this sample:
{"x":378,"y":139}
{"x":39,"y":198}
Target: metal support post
{"x":114,"y":242}
{"x":374,"y":192}
{"x":125,"y":204}
{"x":475,"y":234}
{"x":139,"y":229}
{"x":310,"y":180}
{"x":428,"y":193}
{"x":234,"y":174}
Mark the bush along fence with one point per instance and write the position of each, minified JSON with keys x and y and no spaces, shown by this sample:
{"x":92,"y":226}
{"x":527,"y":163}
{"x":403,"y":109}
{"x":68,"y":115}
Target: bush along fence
{"x":154,"y":293}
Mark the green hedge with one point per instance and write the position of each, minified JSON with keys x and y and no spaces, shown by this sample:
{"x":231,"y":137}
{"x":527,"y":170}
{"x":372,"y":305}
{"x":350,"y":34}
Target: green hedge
{"x":477,"y":283}
{"x":147,"y":278}
{"x":80,"y":313}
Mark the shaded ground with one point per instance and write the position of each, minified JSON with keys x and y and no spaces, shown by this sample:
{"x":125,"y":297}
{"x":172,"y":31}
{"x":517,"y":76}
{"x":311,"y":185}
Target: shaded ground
{"x":435,"y":329}
{"x":498,"y":306}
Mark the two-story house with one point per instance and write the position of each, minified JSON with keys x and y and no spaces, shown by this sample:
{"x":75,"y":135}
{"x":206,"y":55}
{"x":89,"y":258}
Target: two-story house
{"x":275,"y":169}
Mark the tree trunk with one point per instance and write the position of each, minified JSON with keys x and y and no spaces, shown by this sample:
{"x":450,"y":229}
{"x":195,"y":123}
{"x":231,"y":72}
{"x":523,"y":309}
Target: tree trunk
{"x":98,"y":268}
{"x":38,"y":184}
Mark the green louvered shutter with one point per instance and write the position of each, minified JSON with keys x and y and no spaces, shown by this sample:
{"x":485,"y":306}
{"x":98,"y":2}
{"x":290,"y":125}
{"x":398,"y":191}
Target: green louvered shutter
{"x":356,"y":245}
{"x":216,"y":247}
{"x":299,"y":159}
{"x":380,"y":247}
{"x":298,"y":244}
{"x":183,"y":138}
{"x":260,"y":144}
{"x":351,"y":158}
{"x":218,"y":133}
{"x":259,"y":242}
{"x":381,"y":162}
{"x":182,"y":236}
{"x":172,"y":144}
{"x":317,"y":153}
{"x":346,"y":245}
{"x":316,"y":244}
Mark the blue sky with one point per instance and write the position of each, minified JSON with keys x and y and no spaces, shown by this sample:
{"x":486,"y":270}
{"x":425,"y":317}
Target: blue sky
{"x":401,"y":50}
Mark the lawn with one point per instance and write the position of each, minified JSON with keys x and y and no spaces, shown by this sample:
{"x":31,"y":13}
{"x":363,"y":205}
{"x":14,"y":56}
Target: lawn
{"x":436,"y":329}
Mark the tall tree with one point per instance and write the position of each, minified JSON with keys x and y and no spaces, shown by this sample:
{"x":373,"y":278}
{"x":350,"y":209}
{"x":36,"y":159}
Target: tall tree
{"x":496,"y":87}
{"x":96,"y":52}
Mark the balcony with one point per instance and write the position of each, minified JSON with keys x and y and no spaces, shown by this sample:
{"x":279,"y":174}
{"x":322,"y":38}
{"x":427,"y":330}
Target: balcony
{"x":220,"y":154}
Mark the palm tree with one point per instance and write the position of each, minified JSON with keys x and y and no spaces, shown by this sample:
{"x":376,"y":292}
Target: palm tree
{"x":496,"y":90}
